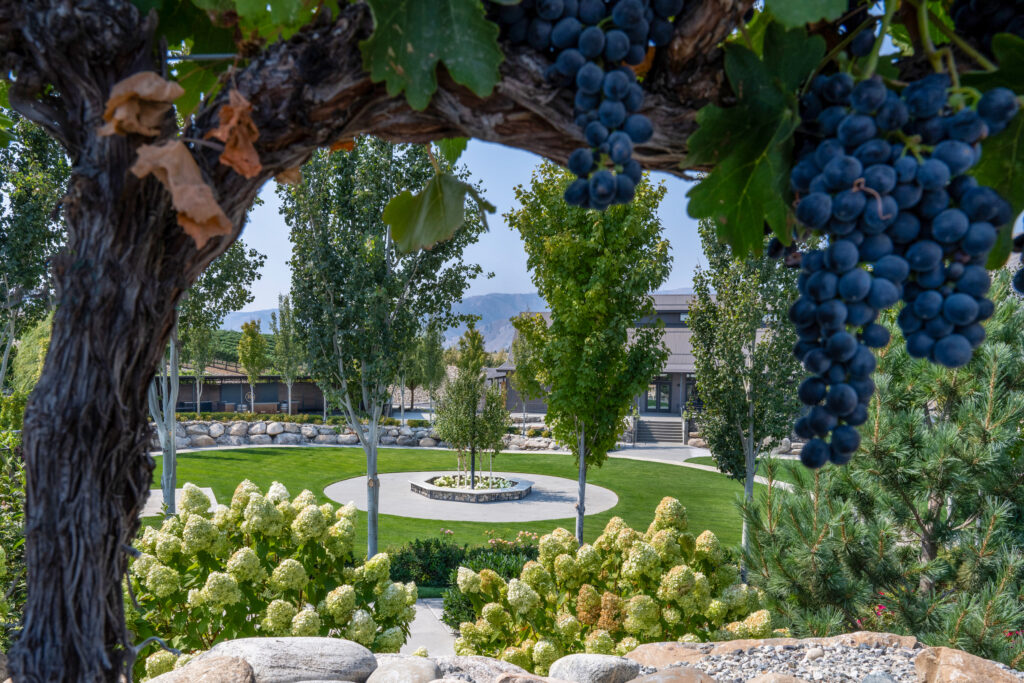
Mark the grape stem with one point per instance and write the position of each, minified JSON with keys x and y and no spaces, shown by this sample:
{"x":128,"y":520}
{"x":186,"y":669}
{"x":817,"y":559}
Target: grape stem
{"x":982,"y":61}
{"x":872,"y":63}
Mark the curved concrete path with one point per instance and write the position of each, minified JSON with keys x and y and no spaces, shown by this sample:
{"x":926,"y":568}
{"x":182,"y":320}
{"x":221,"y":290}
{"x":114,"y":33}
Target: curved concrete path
{"x":551,"y":498}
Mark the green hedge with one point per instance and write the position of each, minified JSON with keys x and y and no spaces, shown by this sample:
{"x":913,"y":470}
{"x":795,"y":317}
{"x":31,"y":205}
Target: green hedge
{"x":427,"y":562}
{"x":418,"y":423}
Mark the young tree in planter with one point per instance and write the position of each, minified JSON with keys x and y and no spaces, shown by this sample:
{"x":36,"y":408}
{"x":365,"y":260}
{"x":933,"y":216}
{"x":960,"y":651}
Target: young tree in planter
{"x":920,"y":532}
{"x":472,"y":356}
{"x":253,"y":357}
{"x":288,"y":351}
{"x":742,"y":348}
{"x":358,"y":298}
{"x":596,"y":270}
{"x":472,"y":416}
{"x":431,"y":355}
{"x":527,"y":357}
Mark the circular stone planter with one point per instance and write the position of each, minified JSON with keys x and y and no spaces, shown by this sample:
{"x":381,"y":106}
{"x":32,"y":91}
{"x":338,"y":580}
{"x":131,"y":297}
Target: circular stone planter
{"x":520,"y":489}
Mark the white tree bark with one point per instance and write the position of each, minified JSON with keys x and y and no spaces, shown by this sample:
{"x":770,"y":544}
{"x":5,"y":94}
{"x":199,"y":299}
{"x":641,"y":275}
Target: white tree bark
{"x":582,"y":486}
{"x":163,"y":397}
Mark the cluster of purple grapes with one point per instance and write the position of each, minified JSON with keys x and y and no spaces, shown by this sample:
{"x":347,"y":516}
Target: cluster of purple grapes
{"x":592,"y":42}
{"x":980,"y":20}
{"x":886,"y":185}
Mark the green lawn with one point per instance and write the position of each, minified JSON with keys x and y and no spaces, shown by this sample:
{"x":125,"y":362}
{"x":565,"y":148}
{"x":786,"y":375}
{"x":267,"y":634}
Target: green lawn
{"x":709,"y":497}
{"x":782,"y":472}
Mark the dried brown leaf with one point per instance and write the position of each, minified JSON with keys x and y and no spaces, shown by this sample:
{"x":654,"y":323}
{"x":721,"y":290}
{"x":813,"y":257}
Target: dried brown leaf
{"x":289,"y":176}
{"x":343,"y":145}
{"x":172,"y":164}
{"x":138,"y":104}
{"x":238,"y":131}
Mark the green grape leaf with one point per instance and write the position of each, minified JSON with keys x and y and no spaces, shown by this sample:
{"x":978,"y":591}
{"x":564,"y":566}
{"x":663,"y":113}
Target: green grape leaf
{"x":6,"y":124}
{"x":751,"y":80}
{"x":1002,"y":168}
{"x":792,"y":55}
{"x":796,"y":13}
{"x":452,"y":148}
{"x":1009,"y":52}
{"x":421,"y":220}
{"x":410,"y":37}
{"x":199,"y":81}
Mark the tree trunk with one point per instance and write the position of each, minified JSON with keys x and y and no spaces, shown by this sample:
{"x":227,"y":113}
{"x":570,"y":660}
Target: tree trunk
{"x":750,"y":462}
{"x":372,"y":488}
{"x":289,"y":398}
{"x":401,"y":402}
{"x":472,"y":465}
{"x":412,"y":397}
{"x":8,"y":343}
{"x":582,"y":487}
{"x":199,"y":396}
{"x":252,"y":398}
{"x":929,"y":547}
{"x":163,"y":398}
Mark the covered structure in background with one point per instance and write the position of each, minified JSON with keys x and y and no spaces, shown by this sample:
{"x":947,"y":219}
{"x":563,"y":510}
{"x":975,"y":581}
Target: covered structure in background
{"x":226,"y":389}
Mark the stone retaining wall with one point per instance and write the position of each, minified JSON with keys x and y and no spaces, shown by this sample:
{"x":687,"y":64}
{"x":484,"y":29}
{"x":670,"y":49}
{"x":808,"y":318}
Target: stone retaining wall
{"x":205,"y":434}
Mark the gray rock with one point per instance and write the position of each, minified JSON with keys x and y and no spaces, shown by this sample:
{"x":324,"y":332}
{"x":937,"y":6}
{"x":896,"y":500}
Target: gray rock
{"x":878,"y":678}
{"x":405,"y":440}
{"x":179,"y":430}
{"x":181,"y":441}
{"x":210,"y":670}
{"x":475,"y":668}
{"x":326,"y":438}
{"x":394,"y":432}
{"x":427,"y":442}
{"x":405,"y":431}
{"x":239,"y":429}
{"x":202,"y":441}
{"x":275,"y":428}
{"x":814,"y":653}
{"x":309,"y":431}
{"x":229,"y":440}
{"x":260,"y":440}
{"x":404,"y":670}
{"x":594,"y":669}
{"x":348,"y":439}
{"x":292,"y":428}
{"x":258,"y":428}
{"x":197,"y":428}
{"x":291,"y":660}
{"x":289,"y":439}
{"x":785,"y":446}
{"x":328,"y":430}
{"x":387,"y":440}
{"x":216,"y":429}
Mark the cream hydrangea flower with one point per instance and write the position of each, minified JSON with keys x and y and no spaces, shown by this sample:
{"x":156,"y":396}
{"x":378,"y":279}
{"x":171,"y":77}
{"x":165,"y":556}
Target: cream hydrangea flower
{"x":708,"y":548}
{"x":566,"y":570}
{"x":599,"y":642}
{"x":588,"y":561}
{"x":759,"y":624}
{"x":195,"y":597}
{"x":545,"y":653}
{"x":626,"y":645}
{"x":696,"y":601}
{"x":676,"y":583}
{"x":198,"y":535}
{"x":289,"y":575}
{"x":377,"y":569}
{"x":147,"y":543}
{"x":347,"y":511}
{"x":420,"y":652}
{"x":389,"y":640}
{"x":626,"y":538}
{"x":245,"y":565}
{"x":537,"y":577}
{"x":361,"y":628}
{"x":665,"y":542}
{"x":642,"y":617}
{"x":167,"y":546}
{"x":689,"y":638}
{"x":519,"y":656}
{"x":642,"y":561}
{"x":240,"y":499}
{"x":142,"y":564}
{"x":463,"y":648}
{"x":277,"y":493}
{"x":495,"y":614}
{"x":183,"y":660}
{"x":554,"y":544}
{"x":391,"y":601}
{"x":670,"y":514}
{"x":568,"y":626}
{"x":716,"y":611}
{"x":193,"y":501}
{"x":340,"y":603}
{"x":161,"y":580}
{"x":172,"y":525}
{"x":340,"y":538}
{"x":306,"y":623}
{"x":467,"y":580}
{"x":225,"y":518}
{"x":521,"y":598}
{"x":328,"y":511}
{"x":278,"y":620}
{"x":305,"y":498}
{"x":310,"y":523}
{"x":606,"y":541}
{"x":221,"y":589}
{"x":261,"y":516}
{"x":160,"y":662}
{"x":671,"y":615}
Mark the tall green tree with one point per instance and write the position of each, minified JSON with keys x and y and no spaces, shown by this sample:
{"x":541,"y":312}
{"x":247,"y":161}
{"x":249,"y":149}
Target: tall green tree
{"x":920,"y":532}
{"x":431,"y":355}
{"x":358,"y":298}
{"x":596,"y":270}
{"x":253,"y":356}
{"x":472,"y":416}
{"x":288,"y":351}
{"x":528,"y":359}
{"x":34,"y":174}
{"x":742,"y":348}
{"x":472,"y":356}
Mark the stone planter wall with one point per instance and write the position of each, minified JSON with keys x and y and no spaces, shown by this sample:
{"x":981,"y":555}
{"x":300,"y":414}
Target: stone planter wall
{"x":205,"y":434}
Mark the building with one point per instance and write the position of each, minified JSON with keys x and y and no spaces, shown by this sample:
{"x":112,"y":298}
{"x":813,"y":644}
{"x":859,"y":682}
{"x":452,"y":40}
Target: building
{"x":667,"y":396}
{"x":226,"y":389}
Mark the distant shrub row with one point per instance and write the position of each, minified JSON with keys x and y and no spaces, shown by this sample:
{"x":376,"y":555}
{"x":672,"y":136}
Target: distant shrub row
{"x":299,"y":418}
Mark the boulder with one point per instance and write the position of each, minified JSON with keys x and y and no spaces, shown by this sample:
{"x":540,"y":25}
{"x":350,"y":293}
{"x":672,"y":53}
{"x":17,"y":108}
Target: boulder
{"x":290,"y":660}
{"x":216,"y":429}
{"x":405,"y":440}
{"x":661,"y":655}
{"x":537,"y":443}
{"x":258,"y":428}
{"x":181,"y":442}
{"x":785,"y":446}
{"x":228,"y":440}
{"x":197,"y":428}
{"x":475,"y":668}
{"x":309,"y":431}
{"x":682,"y":674}
{"x":327,"y":430}
{"x":348,"y":439}
{"x":179,"y":430}
{"x":871,"y":639}
{"x":292,"y":428}
{"x":595,"y":669}
{"x":405,"y":431}
{"x":238,"y":429}
{"x":275,"y":428}
{"x":287,"y":439}
{"x":427,"y":442}
{"x":210,"y":670}
{"x":202,"y":441}
{"x":409,"y":669}
{"x":946,"y":665}
{"x":527,"y":678}
{"x":387,"y":440}
{"x":260,"y":440}
{"x":325,"y":439}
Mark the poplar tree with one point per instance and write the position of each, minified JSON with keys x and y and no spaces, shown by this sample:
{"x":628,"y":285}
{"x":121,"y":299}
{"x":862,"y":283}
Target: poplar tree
{"x":287,"y":352}
{"x":742,"y":347}
{"x":252,"y":356}
{"x":920,"y":532}
{"x":596,"y":270}
{"x":527,"y":358}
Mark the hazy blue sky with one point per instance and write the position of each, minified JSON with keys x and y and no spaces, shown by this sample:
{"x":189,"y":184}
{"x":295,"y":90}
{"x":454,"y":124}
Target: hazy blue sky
{"x":500,"y":251}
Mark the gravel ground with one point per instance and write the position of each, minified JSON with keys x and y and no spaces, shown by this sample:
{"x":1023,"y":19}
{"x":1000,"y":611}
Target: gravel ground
{"x":861,"y":664}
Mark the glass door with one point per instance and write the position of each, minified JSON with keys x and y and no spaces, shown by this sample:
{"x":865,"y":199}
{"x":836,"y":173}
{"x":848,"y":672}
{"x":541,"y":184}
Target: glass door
{"x":659,"y":396}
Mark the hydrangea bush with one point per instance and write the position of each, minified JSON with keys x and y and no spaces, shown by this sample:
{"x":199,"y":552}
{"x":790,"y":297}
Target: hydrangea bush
{"x":266,"y":565}
{"x":625,"y":589}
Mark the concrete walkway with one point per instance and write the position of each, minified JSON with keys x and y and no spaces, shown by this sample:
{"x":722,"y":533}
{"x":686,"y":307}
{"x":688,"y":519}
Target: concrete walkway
{"x":427,"y":630}
{"x":678,"y":455}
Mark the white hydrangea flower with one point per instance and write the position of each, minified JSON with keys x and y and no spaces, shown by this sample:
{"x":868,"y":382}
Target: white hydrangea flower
{"x":306,"y":623}
{"x":289,"y":575}
{"x":261,"y":516}
{"x":277,"y":493}
{"x":309,"y":524}
{"x":244,"y":565}
{"x":347,"y":511}
{"x":391,"y":601}
{"x":303,"y":499}
{"x":340,"y":602}
{"x":420,"y":652}
{"x":167,"y":546}
{"x":521,"y":598}
{"x":225,"y":518}
{"x":198,"y":535}
{"x":361,"y":628}
{"x":142,"y":565}
{"x":221,"y":589}
{"x":160,"y":662}
{"x":390,"y":640}
{"x":240,"y":499}
{"x":377,"y":569}
{"x":148,"y":541}
{"x":193,"y":501}
{"x":161,"y":580}
{"x":278,"y":619}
